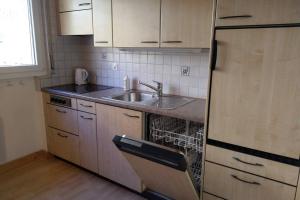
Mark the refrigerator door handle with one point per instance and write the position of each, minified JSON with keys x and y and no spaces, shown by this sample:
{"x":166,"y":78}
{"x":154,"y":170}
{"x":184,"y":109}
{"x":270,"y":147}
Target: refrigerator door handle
{"x":214,"y":55}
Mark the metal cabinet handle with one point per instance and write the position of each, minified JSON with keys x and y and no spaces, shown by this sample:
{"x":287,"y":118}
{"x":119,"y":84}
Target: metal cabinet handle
{"x":236,"y":16}
{"x":101,"y":42}
{"x":61,"y":111}
{"x":244,"y":181}
{"x":87,"y":106}
{"x":172,"y":41}
{"x":61,"y":135}
{"x":84,"y":4}
{"x":214,"y":55}
{"x":253,"y":164}
{"x":87,"y":118}
{"x":149,"y":42}
{"x":131,"y":116}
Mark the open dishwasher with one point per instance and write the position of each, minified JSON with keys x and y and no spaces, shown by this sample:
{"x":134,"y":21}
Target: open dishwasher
{"x":169,"y":160}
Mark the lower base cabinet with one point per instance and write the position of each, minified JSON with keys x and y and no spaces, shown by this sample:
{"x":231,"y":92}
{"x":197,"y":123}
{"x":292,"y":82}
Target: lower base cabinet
{"x":298,"y":192}
{"x":113,"y":165}
{"x":88,"y":141}
{"x":63,"y":145}
{"x":236,"y":185}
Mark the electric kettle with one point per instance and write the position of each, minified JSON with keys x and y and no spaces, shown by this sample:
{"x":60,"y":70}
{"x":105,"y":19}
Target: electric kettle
{"x":81,"y":76}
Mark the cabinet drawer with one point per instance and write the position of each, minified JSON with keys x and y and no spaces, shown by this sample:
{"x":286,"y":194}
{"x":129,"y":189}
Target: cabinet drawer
{"x":76,"y":23}
{"x":86,"y":106}
{"x":88,"y":141}
{"x":62,"y":118}
{"x":259,"y":166}
{"x":71,"y":5}
{"x":63,"y":145}
{"x":256,"y":12}
{"x":207,"y":196}
{"x":235,"y":185}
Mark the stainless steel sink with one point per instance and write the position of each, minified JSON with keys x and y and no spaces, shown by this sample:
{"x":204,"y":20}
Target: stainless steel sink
{"x":150,"y":99}
{"x":171,"y":102}
{"x":135,"y":97}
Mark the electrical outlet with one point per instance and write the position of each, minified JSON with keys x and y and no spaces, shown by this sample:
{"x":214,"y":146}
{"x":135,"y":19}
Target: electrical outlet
{"x":185,"y":70}
{"x":115,"y":67}
{"x":104,"y":56}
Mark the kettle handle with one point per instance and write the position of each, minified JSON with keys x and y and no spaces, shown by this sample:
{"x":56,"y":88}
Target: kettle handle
{"x":85,"y":74}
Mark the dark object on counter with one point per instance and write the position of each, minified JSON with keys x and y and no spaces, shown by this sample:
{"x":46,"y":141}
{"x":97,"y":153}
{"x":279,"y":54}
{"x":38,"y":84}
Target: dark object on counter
{"x":80,"y":89}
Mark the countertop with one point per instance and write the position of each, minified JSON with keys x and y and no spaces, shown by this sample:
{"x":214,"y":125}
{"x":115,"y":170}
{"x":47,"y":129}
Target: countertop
{"x":193,"y":111}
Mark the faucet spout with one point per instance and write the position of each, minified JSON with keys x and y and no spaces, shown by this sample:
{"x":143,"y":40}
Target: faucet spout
{"x":158,"y":89}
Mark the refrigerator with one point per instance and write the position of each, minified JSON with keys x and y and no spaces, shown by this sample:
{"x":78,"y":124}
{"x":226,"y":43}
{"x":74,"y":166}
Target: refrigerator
{"x":255,"y":88}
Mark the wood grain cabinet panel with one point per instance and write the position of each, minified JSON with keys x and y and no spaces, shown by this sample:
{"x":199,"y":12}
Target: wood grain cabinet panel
{"x":62,"y":118}
{"x":86,"y":106}
{"x":76,"y":23}
{"x":256,"y":89}
{"x":207,"y":196}
{"x":267,"y":168}
{"x":102,"y":23}
{"x":256,"y":12}
{"x":136,"y":23}
{"x":88,"y":141}
{"x":71,"y":5}
{"x":298,"y":193}
{"x":113,"y":165}
{"x":186,"y":23}
{"x":63,"y":145}
{"x":236,"y":185}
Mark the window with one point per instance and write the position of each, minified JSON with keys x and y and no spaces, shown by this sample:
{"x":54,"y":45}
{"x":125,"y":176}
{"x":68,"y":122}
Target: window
{"x":22,"y":39}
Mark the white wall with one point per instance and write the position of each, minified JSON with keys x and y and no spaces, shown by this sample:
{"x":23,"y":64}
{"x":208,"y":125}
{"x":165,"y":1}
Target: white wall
{"x":21,"y":119}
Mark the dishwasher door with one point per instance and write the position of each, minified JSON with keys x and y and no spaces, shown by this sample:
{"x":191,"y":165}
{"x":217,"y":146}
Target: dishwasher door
{"x":161,"y":169}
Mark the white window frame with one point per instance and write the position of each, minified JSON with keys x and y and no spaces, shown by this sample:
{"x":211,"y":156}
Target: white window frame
{"x":40,"y":42}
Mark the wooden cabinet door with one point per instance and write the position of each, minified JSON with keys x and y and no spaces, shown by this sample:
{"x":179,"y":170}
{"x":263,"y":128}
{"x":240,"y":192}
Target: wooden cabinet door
{"x":71,"y":5}
{"x":63,"y":145}
{"x":113,"y":121}
{"x":76,"y":23}
{"x":136,"y":23}
{"x":236,"y":185}
{"x":255,"y":12}
{"x":102,"y":23}
{"x":255,"y":91}
{"x":88,"y":141}
{"x":62,"y":118}
{"x":298,"y":193}
{"x":186,"y":23}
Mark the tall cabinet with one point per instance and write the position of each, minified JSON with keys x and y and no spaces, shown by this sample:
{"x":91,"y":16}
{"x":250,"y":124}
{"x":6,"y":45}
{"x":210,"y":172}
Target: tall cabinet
{"x":255,"y":90}
{"x":253,"y":131}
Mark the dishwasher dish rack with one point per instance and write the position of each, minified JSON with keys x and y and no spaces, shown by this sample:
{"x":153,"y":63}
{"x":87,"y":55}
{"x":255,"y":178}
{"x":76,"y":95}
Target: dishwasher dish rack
{"x":174,"y":132}
{"x":182,"y":135}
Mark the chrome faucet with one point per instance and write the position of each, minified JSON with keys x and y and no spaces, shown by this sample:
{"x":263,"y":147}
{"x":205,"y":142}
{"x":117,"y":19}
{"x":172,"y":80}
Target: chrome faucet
{"x":158,"y":89}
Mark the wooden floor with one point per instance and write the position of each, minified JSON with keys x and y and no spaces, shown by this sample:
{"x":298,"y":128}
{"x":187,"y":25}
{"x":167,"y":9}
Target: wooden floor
{"x":49,"y":178}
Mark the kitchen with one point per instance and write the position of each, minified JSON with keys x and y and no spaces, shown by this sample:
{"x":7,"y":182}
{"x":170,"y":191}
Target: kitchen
{"x":150,"y":99}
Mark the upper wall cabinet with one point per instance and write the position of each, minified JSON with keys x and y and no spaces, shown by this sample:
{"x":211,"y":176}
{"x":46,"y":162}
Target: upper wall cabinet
{"x":186,"y":23}
{"x":75,"y":17}
{"x":102,"y":23}
{"x":257,"y":12}
{"x":71,"y":5}
{"x":136,"y":23}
